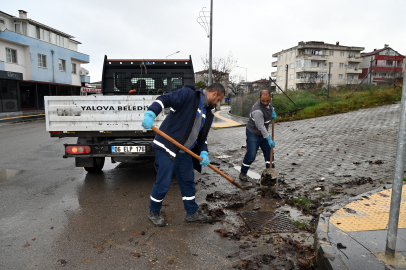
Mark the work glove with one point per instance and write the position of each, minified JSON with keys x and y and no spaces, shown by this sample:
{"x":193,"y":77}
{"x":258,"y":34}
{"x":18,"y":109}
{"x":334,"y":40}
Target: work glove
{"x":205,"y":156}
{"x":270,"y":142}
{"x":149,"y":117}
{"x":273,"y":114}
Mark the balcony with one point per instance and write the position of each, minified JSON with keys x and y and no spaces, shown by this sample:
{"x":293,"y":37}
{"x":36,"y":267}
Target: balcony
{"x":275,"y":64}
{"x":312,"y":57}
{"x":274,"y":74}
{"x":354,"y":71}
{"x":355,"y":59}
{"x":312,"y":69}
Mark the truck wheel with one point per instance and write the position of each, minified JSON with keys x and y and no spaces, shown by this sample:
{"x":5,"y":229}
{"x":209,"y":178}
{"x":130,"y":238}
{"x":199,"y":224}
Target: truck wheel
{"x":98,"y":164}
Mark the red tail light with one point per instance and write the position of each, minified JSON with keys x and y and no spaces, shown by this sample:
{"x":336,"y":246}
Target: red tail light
{"x":77,"y":150}
{"x":56,"y":132}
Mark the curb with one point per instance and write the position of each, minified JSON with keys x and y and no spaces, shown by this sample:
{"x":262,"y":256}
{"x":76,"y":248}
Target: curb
{"x":324,"y":247}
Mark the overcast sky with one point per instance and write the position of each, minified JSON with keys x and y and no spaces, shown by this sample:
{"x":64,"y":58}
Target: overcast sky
{"x":251,"y":30}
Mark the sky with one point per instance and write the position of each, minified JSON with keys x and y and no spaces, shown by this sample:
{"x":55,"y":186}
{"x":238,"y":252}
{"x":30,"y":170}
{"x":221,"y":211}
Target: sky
{"x":250,"y":30}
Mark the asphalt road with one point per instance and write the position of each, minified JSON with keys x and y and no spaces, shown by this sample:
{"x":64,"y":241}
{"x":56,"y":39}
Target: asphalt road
{"x":53,"y":214}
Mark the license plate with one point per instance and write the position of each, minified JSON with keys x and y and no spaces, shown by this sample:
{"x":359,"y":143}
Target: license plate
{"x":127,"y":149}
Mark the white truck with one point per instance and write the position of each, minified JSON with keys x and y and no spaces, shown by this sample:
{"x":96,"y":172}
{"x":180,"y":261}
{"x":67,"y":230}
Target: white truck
{"x":109,"y":125}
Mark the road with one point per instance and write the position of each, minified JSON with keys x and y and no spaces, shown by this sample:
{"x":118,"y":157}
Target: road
{"x":53,"y":214}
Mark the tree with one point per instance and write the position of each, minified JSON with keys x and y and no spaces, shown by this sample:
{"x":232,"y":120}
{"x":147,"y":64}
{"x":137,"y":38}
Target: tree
{"x":235,"y":84}
{"x":221,"y":67}
{"x":201,"y":85}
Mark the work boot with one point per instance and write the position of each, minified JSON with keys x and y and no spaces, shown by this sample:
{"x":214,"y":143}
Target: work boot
{"x":243,"y":177}
{"x":156,"y":218}
{"x":198,"y":217}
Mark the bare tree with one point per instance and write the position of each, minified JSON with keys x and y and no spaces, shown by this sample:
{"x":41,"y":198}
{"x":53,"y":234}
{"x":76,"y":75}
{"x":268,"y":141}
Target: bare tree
{"x":235,"y":84}
{"x":221,"y":67}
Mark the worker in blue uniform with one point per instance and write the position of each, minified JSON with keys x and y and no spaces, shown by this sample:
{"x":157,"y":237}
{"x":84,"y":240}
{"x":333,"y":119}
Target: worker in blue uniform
{"x":188,"y":122}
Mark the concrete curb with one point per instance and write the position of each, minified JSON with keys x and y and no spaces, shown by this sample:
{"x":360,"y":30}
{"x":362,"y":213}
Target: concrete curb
{"x":323,"y":244}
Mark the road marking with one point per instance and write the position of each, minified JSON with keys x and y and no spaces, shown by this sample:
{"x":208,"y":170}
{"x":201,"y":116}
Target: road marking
{"x":21,"y":116}
{"x":229,"y":122}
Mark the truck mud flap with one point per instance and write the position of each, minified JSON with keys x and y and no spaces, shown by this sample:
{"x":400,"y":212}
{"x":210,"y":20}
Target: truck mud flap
{"x":83,"y":161}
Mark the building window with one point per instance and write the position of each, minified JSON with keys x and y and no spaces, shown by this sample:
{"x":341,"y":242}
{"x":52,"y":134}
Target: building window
{"x":73,"y":68}
{"x":280,"y":57}
{"x":340,"y":76}
{"x":62,"y":65}
{"x":280,"y":67}
{"x":389,"y":63}
{"x":292,"y":65}
{"x":350,"y":77}
{"x":341,"y":65}
{"x":292,"y":54}
{"x":383,"y":75}
{"x":11,"y":55}
{"x":291,"y":87}
{"x":331,"y":64}
{"x":280,"y":78}
{"x":351,"y":54}
{"x":17,"y":28}
{"x":331,"y":53}
{"x":42,"y":61}
{"x":342,"y":54}
{"x":291,"y":77}
{"x":330,"y":76}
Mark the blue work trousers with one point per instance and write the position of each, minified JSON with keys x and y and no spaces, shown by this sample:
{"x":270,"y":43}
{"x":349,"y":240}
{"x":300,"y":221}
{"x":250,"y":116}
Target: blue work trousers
{"x":165,"y":167}
{"x":253,"y":143}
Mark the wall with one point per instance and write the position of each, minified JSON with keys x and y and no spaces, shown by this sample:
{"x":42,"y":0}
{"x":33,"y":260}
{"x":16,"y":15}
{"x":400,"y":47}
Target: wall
{"x":21,"y":64}
{"x":36,"y":46}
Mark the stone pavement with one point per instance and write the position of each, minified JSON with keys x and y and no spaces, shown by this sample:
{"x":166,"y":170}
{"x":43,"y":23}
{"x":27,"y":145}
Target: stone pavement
{"x":325,"y":153}
{"x":349,"y":157}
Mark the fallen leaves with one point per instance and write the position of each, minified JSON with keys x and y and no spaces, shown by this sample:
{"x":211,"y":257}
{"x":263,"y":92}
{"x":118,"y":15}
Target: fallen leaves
{"x":137,"y":233}
{"x":136,"y":255}
{"x":26,"y":244}
{"x":171,"y":262}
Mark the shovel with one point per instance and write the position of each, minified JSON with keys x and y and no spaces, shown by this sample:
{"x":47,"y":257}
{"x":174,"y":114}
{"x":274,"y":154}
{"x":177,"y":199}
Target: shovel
{"x":269,"y":177}
{"x":196,"y":157}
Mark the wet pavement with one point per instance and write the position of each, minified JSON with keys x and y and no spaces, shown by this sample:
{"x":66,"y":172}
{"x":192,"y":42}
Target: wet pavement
{"x":54,"y":215}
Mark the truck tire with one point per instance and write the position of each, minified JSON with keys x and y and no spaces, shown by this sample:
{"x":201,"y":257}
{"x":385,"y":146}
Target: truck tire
{"x":98,"y":162}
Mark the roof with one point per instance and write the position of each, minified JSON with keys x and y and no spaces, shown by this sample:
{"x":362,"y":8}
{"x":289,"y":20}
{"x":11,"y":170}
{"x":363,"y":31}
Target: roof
{"x":213,"y":71}
{"x":39,"y":24}
{"x":261,"y":81}
{"x":378,"y":51}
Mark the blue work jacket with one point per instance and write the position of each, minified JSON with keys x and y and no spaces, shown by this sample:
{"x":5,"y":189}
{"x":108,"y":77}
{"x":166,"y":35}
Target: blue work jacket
{"x":184,"y":104}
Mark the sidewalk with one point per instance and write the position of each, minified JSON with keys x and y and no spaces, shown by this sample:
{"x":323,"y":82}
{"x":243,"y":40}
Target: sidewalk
{"x":354,"y":237}
{"x":22,"y":116}
{"x":222,"y":119}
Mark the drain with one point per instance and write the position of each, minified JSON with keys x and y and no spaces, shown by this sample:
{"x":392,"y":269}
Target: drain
{"x":268,"y":221}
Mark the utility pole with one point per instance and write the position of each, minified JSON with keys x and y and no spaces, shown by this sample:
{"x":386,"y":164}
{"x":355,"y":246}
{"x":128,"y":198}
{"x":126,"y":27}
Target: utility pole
{"x":370,"y":73}
{"x":211,"y":42}
{"x":286,"y":84}
{"x":397,"y":178}
{"x":328,"y":85}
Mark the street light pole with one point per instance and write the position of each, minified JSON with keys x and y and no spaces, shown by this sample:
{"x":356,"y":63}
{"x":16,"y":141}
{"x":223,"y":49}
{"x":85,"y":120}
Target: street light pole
{"x":246,"y":78}
{"x":211,"y":46}
{"x":172,"y":54}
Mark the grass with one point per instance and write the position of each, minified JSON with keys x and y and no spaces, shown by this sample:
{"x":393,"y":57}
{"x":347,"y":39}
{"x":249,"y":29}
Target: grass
{"x":381,"y":182}
{"x":314,"y":103}
{"x":300,"y":225}
{"x":404,"y":179}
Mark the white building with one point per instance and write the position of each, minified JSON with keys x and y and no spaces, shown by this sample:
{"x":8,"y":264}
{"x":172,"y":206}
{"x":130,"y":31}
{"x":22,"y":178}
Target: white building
{"x":307,"y":64}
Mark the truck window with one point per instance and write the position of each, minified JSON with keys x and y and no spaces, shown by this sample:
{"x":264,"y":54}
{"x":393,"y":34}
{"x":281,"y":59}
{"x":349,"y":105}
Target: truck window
{"x":151,"y":83}
{"x":119,"y":81}
{"x":177,"y":81}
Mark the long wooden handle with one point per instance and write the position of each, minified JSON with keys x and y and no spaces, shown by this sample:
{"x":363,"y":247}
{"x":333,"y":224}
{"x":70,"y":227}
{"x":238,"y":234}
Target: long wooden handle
{"x":196,"y":156}
{"x":273,"y":139}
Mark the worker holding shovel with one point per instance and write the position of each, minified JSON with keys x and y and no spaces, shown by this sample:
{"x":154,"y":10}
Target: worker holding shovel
{"x":188,"y":123}
{"x":261,"y":115}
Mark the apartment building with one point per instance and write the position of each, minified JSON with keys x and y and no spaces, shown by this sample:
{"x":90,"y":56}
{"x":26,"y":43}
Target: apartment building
{"x":314,"y":62}
{"x":218,"y":76}
{"x":36,"y":60}
{"x":386,"y":64}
